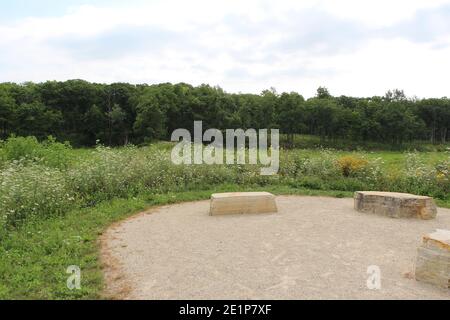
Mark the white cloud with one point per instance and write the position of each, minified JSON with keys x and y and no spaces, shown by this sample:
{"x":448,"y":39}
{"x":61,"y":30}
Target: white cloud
{"x":380,"y":13}
{"x":353,"y":47}
{"x":393,"y":63}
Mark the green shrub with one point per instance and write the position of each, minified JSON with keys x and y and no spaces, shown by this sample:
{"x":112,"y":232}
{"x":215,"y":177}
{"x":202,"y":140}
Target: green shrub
{"x":50,"y":152}
{"x":106,"y":174}
{"x":50,"y":178}
{"x":321,"y":166}
{"x":32,"y":190}
{"x":347,"y":184}
{"x":314,"y":183}
{"x":56,"y":154}
{"x":17,"y":148}
{"x":351,"y":165}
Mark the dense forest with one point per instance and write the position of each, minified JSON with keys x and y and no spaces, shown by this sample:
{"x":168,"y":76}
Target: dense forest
{"x":116,"y":114}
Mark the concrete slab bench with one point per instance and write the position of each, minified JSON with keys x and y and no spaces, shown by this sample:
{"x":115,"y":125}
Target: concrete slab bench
{"x":433,"y":259}
{"x":395,"y":205}
{"x":242,"y":203}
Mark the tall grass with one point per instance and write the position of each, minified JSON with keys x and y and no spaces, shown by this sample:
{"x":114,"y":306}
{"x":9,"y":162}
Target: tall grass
{"x":313,"y":142}
{"x":45,"y":179}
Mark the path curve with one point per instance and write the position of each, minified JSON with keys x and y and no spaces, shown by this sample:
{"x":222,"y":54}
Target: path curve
{"x":314,"y":248}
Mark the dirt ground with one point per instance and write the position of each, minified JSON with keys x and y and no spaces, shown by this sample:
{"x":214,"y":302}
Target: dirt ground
{"x":314,"y":248}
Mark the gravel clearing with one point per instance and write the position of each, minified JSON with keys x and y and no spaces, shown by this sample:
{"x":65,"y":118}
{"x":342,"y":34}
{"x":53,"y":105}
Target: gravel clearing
{"x":314,"y":248}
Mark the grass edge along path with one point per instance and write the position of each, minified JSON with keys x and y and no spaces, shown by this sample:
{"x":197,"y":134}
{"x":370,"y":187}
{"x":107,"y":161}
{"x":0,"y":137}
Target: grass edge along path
{"x":34,"y":258}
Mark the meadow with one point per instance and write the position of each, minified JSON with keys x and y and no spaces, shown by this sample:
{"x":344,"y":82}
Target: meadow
{"x":55,"y":200}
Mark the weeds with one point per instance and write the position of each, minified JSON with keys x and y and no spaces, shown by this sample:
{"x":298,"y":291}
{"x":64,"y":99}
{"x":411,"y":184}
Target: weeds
{"x":49,"y":178}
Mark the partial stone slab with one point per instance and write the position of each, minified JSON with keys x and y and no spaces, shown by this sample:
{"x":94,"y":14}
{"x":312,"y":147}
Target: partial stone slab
{"x":242,"y":203}
{"x":433,"y":259}
{"x":395,"y":205}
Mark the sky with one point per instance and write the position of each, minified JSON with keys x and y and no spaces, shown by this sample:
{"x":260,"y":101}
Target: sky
{"x":352,"y":47}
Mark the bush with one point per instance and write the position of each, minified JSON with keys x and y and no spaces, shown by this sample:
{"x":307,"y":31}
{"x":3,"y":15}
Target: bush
{"x":350,"y":165}
{"x":313,"y":183}
{"x":50,"y":152}
{"x":105,"y":174}
{"x":347,"y":184}
{"x":32,"y":190}
{"x":17,"y":148}
{"x":321,"y":166}
{"x":443,"y":179}
{"x":50,"y":178}
{"x":55,"y":154}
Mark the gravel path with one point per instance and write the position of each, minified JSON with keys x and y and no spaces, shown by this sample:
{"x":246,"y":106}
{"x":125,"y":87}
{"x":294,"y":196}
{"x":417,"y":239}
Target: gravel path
{"x":314,"y":248}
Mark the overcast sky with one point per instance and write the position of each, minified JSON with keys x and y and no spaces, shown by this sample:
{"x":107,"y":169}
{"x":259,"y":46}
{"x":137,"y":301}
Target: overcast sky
{"x":353,"y":47}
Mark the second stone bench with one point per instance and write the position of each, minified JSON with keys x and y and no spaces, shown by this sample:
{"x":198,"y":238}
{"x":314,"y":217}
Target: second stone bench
{"x":395,"y":205}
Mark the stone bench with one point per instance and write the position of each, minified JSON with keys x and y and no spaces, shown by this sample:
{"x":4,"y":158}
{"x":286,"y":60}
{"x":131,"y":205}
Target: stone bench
{"x":433,"y":259}
{"x":395,"y":205}
{"x":242,"y":202}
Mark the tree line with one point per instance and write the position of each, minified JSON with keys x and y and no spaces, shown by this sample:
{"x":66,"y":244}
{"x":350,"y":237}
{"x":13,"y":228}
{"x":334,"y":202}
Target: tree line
{"x":121,"y":113}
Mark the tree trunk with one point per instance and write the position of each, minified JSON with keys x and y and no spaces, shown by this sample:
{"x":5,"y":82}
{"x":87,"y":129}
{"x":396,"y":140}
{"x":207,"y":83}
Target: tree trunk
{"x":126,"y":138}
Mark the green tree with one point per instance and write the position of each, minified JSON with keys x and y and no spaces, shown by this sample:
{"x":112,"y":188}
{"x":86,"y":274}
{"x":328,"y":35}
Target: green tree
{"x":37,"y":120}
{"x":291,"y":115}
{"x":95,"y":124}
{"x":7,"y":111}
{"x":323,"y":93}
{"x":150,"y":121}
